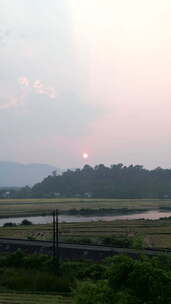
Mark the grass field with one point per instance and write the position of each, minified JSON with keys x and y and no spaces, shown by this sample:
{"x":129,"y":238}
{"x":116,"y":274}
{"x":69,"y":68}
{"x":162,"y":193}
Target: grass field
{"x":26,"y":207}
{"x":155,"y":233}
{"x":16,"y":298}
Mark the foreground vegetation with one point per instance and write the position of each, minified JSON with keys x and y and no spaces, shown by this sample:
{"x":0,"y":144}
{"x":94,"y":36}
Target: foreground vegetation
{"x":116,"y":280}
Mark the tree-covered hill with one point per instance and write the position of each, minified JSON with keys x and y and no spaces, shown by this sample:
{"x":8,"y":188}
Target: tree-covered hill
{"x":116,"y":181}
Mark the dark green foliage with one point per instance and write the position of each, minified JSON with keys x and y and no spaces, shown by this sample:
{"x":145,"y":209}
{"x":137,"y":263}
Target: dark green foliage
{"x":116,"y":280}
{"x":19,"y":260}
{"x":162,"y":261}
{"x":149,"y":283}
{"x":91,"y":293}
{"x":74,"y":269}
{"x":14,"y":259}
{"x":117,"y":181}
{"x":26,"y":222}
{"x":20,"y":279}
{"x":124,"y":242}
{"x":119,"y":272}
{"x":9,"y":224}
{"x":96,"y":272}
{"x":129,"y":282}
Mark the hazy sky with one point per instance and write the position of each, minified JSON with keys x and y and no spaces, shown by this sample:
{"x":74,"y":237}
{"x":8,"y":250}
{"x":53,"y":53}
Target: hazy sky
{"x":88,"y":76}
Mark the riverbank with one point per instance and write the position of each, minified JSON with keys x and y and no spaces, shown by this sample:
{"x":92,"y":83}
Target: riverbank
{"x":118,"y":215}
{"x":38,"y":207}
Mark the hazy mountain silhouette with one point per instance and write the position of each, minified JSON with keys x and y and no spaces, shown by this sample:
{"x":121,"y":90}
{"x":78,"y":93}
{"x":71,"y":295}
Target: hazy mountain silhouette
{"x":17,"y":174}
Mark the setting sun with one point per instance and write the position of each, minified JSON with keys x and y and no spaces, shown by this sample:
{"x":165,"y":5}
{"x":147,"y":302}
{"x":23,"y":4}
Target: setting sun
{"x":85,"y":155}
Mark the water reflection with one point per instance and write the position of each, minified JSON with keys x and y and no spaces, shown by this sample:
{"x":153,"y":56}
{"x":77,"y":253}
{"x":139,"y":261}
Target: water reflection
{"x":152,"y":215}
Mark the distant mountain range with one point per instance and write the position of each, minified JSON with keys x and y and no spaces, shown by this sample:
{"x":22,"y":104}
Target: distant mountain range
{"x":14,"y":174}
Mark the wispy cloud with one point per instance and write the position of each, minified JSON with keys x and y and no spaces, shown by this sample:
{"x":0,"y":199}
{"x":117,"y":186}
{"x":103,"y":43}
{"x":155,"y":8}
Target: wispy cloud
{"x":23,"y":81}
{"x":12,"y":103}
{"x":38,"y":87}
{"x":26,"y":86}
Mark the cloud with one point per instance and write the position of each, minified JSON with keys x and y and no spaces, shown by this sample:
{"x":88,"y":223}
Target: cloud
{"x":27,"y":86}
{"x":12,"y":103}
{"x":23,"y":81}
{"x":17,"y":100}
{"x":38,"y":87}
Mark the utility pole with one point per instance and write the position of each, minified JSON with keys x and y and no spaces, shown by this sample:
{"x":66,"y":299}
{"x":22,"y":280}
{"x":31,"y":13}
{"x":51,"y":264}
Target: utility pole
{"x":56,"y":236}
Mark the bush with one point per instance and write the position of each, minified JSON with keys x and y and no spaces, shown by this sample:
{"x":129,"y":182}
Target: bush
{"x":9,"y":224}
{"x":20,"y":279}
{"x":74,"y":269}
{"x":91,"y":293}
{"x":14,"y":259}
{"x":36,"y":261}
{"x":119,"y":271}
{"x":96,"y":272}
{"x":26,"y":222}
{"x":138,"y":242}
{"x":123,"y":242}
{"x":150,"y":283}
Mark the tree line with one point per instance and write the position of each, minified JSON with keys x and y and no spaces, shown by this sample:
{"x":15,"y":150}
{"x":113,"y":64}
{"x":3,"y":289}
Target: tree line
{"x":116,"y":181}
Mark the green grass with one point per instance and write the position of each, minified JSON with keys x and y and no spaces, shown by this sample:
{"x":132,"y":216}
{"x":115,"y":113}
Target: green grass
{"x":26,"y":207}
{"x":17,"y":298}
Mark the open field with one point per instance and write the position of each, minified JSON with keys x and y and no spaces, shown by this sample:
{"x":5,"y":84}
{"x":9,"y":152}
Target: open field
{"x":155,"y":233}
{"x":17,"y":298}
{"x":26,"y":207}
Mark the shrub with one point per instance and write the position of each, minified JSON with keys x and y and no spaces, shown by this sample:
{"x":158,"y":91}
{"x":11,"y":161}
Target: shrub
{"x":9,"y":224}
{"x":26,"y":222}
{"x":138,"y":242}
{"x":74,"y":269}
{"x":35,"y":280}
{"x":123,"y":242}
{"x":96,"y":272}
{"x":118,"y":273}
{"x":150,"y":283}
{"x":14,"y":259}
{"x":91,"y":293}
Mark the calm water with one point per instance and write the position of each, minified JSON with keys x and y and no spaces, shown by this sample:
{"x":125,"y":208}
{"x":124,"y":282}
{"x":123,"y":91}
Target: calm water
{"x":152,"y":215}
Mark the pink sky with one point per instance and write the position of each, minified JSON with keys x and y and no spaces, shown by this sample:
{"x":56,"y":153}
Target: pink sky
{"x":86,"y":76}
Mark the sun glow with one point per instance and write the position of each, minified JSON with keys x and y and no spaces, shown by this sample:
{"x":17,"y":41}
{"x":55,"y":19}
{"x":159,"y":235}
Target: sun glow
{"x":85,"y":155}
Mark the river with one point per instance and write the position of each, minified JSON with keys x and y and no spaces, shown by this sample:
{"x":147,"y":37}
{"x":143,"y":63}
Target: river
{"x":151,"y":215}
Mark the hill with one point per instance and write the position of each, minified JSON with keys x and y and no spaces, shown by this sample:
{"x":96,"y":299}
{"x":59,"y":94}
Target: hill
{"x":117,"y":181}
{"x":13,"y":174}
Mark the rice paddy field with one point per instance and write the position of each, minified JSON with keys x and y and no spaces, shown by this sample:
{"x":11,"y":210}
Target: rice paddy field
{"x":26,"y":207}
{"x":17,"y":298}
{"x":155,"y":233}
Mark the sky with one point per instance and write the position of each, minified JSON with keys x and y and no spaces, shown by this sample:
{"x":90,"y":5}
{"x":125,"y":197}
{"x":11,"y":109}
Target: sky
{"x":89,"y":77}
